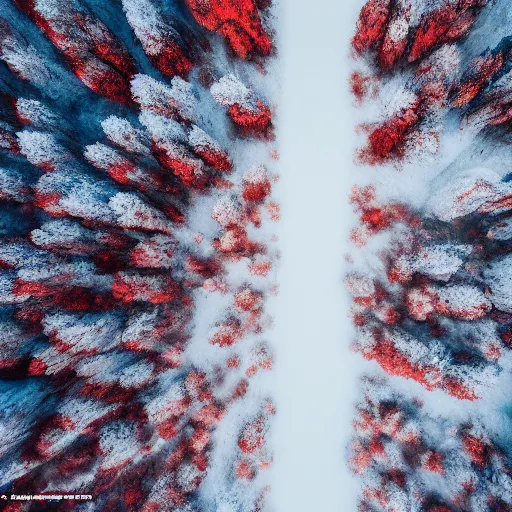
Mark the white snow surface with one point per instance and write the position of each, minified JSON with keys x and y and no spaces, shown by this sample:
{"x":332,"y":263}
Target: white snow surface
{"x":316,"y":373}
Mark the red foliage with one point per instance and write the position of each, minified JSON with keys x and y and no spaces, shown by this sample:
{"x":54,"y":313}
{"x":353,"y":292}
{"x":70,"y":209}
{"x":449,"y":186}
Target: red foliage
{"x":394,"y":362}
{"x":359,"y":85}
{"x":47,"y":202}
{"x":388,"y":141}
{"x":247,"y":300}
{"x":108,"y":393}
{"x":186,"y":170}
{"x":108,"y":82}
{"x":138,"y":288}
{"x":372,"y":25}
{"x":209,"y":416}
{"x":171,"y":61}
{"x":213,"y":158}
{"x":393,"y":48}
{"x":199,"y":440}
{"x":227,"y":333}
{"x":236,"y":241}
{"x":205,"y":267}
{"x":256,"y":190}
{"x":251,"y":122}
{"x":103,"y":65}
{"x":446,"y":24}
{"x":507,"y":338}
{"x":253,"y":436}
{"x":260,"y":267}
{"x":174,"y":214}
{"x":245,"y":470}
{"x":434,"y":463}
{"x":240,"y":389}
{"x":484,"y":69}
{"x":237,"y":20}
{"x":375,"y":217}
{"x":476,"y":449}
{"x":37,"y":367}
{"x":458,"y":390}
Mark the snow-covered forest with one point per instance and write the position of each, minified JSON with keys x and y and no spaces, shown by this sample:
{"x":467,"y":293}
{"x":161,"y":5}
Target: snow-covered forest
{"x":430,"y":279}
{"x":255,"y":256}
{"x":137,"y":252}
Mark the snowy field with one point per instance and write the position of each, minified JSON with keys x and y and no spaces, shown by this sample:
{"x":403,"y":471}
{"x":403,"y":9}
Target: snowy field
{"x":316,"y":373}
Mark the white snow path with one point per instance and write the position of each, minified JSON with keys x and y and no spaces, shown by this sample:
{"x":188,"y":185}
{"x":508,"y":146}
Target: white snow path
{"x":316,"y":374}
